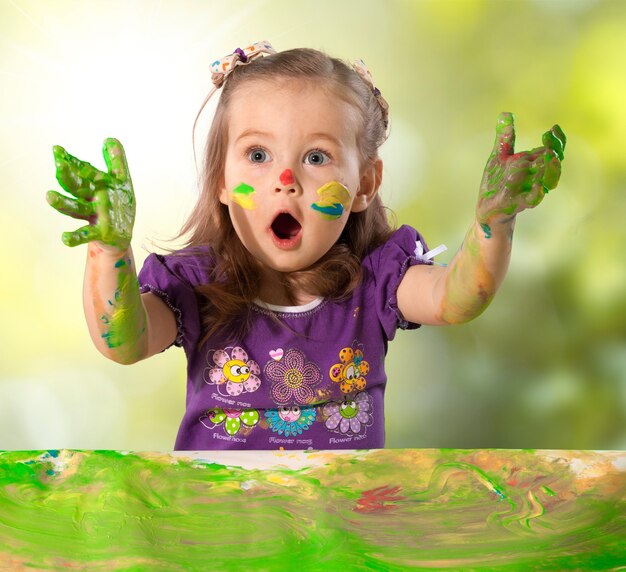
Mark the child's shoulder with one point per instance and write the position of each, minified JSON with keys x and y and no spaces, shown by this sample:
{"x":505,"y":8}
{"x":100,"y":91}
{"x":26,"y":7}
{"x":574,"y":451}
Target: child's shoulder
{"x":404,"y":241}
{"x":190,"y":264}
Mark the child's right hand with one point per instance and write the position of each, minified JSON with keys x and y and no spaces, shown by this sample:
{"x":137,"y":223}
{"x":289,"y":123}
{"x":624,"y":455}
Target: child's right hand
{"x":106,"y":200}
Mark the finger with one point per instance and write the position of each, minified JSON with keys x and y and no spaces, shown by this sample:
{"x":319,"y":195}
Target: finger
{"x":546,"y":170}
{"x":560,"y":135}
{"x":538,"y":164}
{"x":552,"y":171}
{"x":555,"y":140}
{"x":77,"y":177}
{"x":76,"y":208}
{"x":505,"y":134}
{"x":115,"y":158}
{"x":82,"y":235}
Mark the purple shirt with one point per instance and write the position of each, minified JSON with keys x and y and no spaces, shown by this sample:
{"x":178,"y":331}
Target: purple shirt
{"x":320,"y":389}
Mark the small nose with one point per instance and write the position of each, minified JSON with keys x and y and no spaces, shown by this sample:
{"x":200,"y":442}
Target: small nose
{"x":288,"y":182}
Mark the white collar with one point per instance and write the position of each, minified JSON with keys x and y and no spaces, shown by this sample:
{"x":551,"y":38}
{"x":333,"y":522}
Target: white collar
{"x":289,"y":309}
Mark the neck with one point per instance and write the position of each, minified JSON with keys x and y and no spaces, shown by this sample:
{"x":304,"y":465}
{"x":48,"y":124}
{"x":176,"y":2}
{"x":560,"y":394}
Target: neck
{"x":273,"y":292}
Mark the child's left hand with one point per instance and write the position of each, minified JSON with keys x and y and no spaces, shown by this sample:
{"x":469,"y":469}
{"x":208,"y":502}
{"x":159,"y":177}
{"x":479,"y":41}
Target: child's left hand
{"x":513,"y":182}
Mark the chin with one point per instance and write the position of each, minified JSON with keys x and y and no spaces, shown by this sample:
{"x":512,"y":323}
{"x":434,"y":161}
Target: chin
{"x":287,"y":267}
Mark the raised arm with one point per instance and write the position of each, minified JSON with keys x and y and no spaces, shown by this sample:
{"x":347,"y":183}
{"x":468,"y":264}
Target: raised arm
{"x":124,"y":325}
{"x":512,"y":182}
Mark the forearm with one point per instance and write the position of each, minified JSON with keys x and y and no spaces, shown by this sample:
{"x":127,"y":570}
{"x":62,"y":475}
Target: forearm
{"x":473,"y":277}
{"x":115,"y":315}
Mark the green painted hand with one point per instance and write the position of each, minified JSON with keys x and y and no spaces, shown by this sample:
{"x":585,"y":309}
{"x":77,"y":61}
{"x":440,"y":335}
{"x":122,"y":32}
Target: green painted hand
{"x":105,"y":200}
{"x":513,"y":182}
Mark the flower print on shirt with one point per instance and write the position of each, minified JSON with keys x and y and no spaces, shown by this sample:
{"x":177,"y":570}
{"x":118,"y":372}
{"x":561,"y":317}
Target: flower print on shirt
{"x":233,"y":418}
{"x":236,"y":370}
{"x":350,"y":373}
{"x":351,"y":416}
{"x":290,"y":421}
{"x":293,"y":378}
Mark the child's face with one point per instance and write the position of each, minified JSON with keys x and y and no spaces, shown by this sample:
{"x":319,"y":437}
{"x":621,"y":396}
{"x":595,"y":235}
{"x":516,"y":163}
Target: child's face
{"x":290,"y":149}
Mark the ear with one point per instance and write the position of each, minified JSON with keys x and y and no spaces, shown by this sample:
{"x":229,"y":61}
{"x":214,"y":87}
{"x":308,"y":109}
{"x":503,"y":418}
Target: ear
{"x":371,"y":178}
{"x":223,"y":192}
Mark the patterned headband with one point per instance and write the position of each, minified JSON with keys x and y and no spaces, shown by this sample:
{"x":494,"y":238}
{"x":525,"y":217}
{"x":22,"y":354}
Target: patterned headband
{"x":223,"y":67}
{"x":360,"y":68}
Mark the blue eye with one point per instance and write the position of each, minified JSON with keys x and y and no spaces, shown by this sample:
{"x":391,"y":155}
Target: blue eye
{"x":257,"y":155}
{"x":316,"y":157}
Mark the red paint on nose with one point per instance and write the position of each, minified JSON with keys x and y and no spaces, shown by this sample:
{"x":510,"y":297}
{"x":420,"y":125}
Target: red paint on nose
{"x":286,"y":177}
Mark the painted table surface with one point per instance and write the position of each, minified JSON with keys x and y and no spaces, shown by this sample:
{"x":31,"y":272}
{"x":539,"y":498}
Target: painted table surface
{"x":386,"y":509}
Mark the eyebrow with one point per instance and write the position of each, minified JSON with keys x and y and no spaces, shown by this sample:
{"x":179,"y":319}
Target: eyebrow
{"x":326,"y":136}
{"x":251,"y":132}
{"x":320,"y":135}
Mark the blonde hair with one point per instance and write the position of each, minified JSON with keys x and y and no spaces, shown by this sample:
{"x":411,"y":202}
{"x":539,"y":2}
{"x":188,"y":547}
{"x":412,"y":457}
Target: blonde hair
{"x":235,"y":275}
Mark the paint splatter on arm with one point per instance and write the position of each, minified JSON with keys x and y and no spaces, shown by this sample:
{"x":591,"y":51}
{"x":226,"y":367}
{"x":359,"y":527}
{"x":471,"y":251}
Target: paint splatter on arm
{"x":114,"y":310}
{"x":469,"y":283}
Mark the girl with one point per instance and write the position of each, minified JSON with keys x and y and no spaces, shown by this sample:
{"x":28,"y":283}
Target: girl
{"x":292,"y":281}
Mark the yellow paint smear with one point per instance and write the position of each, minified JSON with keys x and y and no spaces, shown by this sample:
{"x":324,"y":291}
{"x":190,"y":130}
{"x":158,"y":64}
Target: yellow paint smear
{"x":334,"y":199}
{"x":243,"y":195}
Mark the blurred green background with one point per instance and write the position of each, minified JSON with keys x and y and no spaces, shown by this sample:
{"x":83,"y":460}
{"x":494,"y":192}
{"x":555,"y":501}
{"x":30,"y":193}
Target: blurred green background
{"x":544,"y":367}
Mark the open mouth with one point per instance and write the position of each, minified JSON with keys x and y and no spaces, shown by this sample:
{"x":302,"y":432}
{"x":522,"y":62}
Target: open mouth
{"x":285,"y":226}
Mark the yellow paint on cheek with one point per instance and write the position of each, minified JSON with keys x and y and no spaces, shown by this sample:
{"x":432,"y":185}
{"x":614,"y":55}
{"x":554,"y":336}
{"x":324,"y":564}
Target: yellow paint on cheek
{"x":334,"y":198}
{"x":243,"y":195}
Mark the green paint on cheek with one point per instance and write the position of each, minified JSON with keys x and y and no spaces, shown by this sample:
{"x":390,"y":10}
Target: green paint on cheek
{"x":244,"y":195}
{"x":486,"y":229}
{"x":334,"y":199}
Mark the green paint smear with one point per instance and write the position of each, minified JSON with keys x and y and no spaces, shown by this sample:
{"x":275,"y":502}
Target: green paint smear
{"x":486,"y":229}
{"x":243,"y":189}
{"x":243,"y":195}
{"x":126,"y":310}
{"x":508,"y":185}
{"x":106,"y":199}
{"x":380,"y":509}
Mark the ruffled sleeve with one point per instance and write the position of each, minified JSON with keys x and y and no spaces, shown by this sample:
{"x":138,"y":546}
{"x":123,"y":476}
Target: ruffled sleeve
{"x":169,"y":278}
{"x":389,"y":264}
